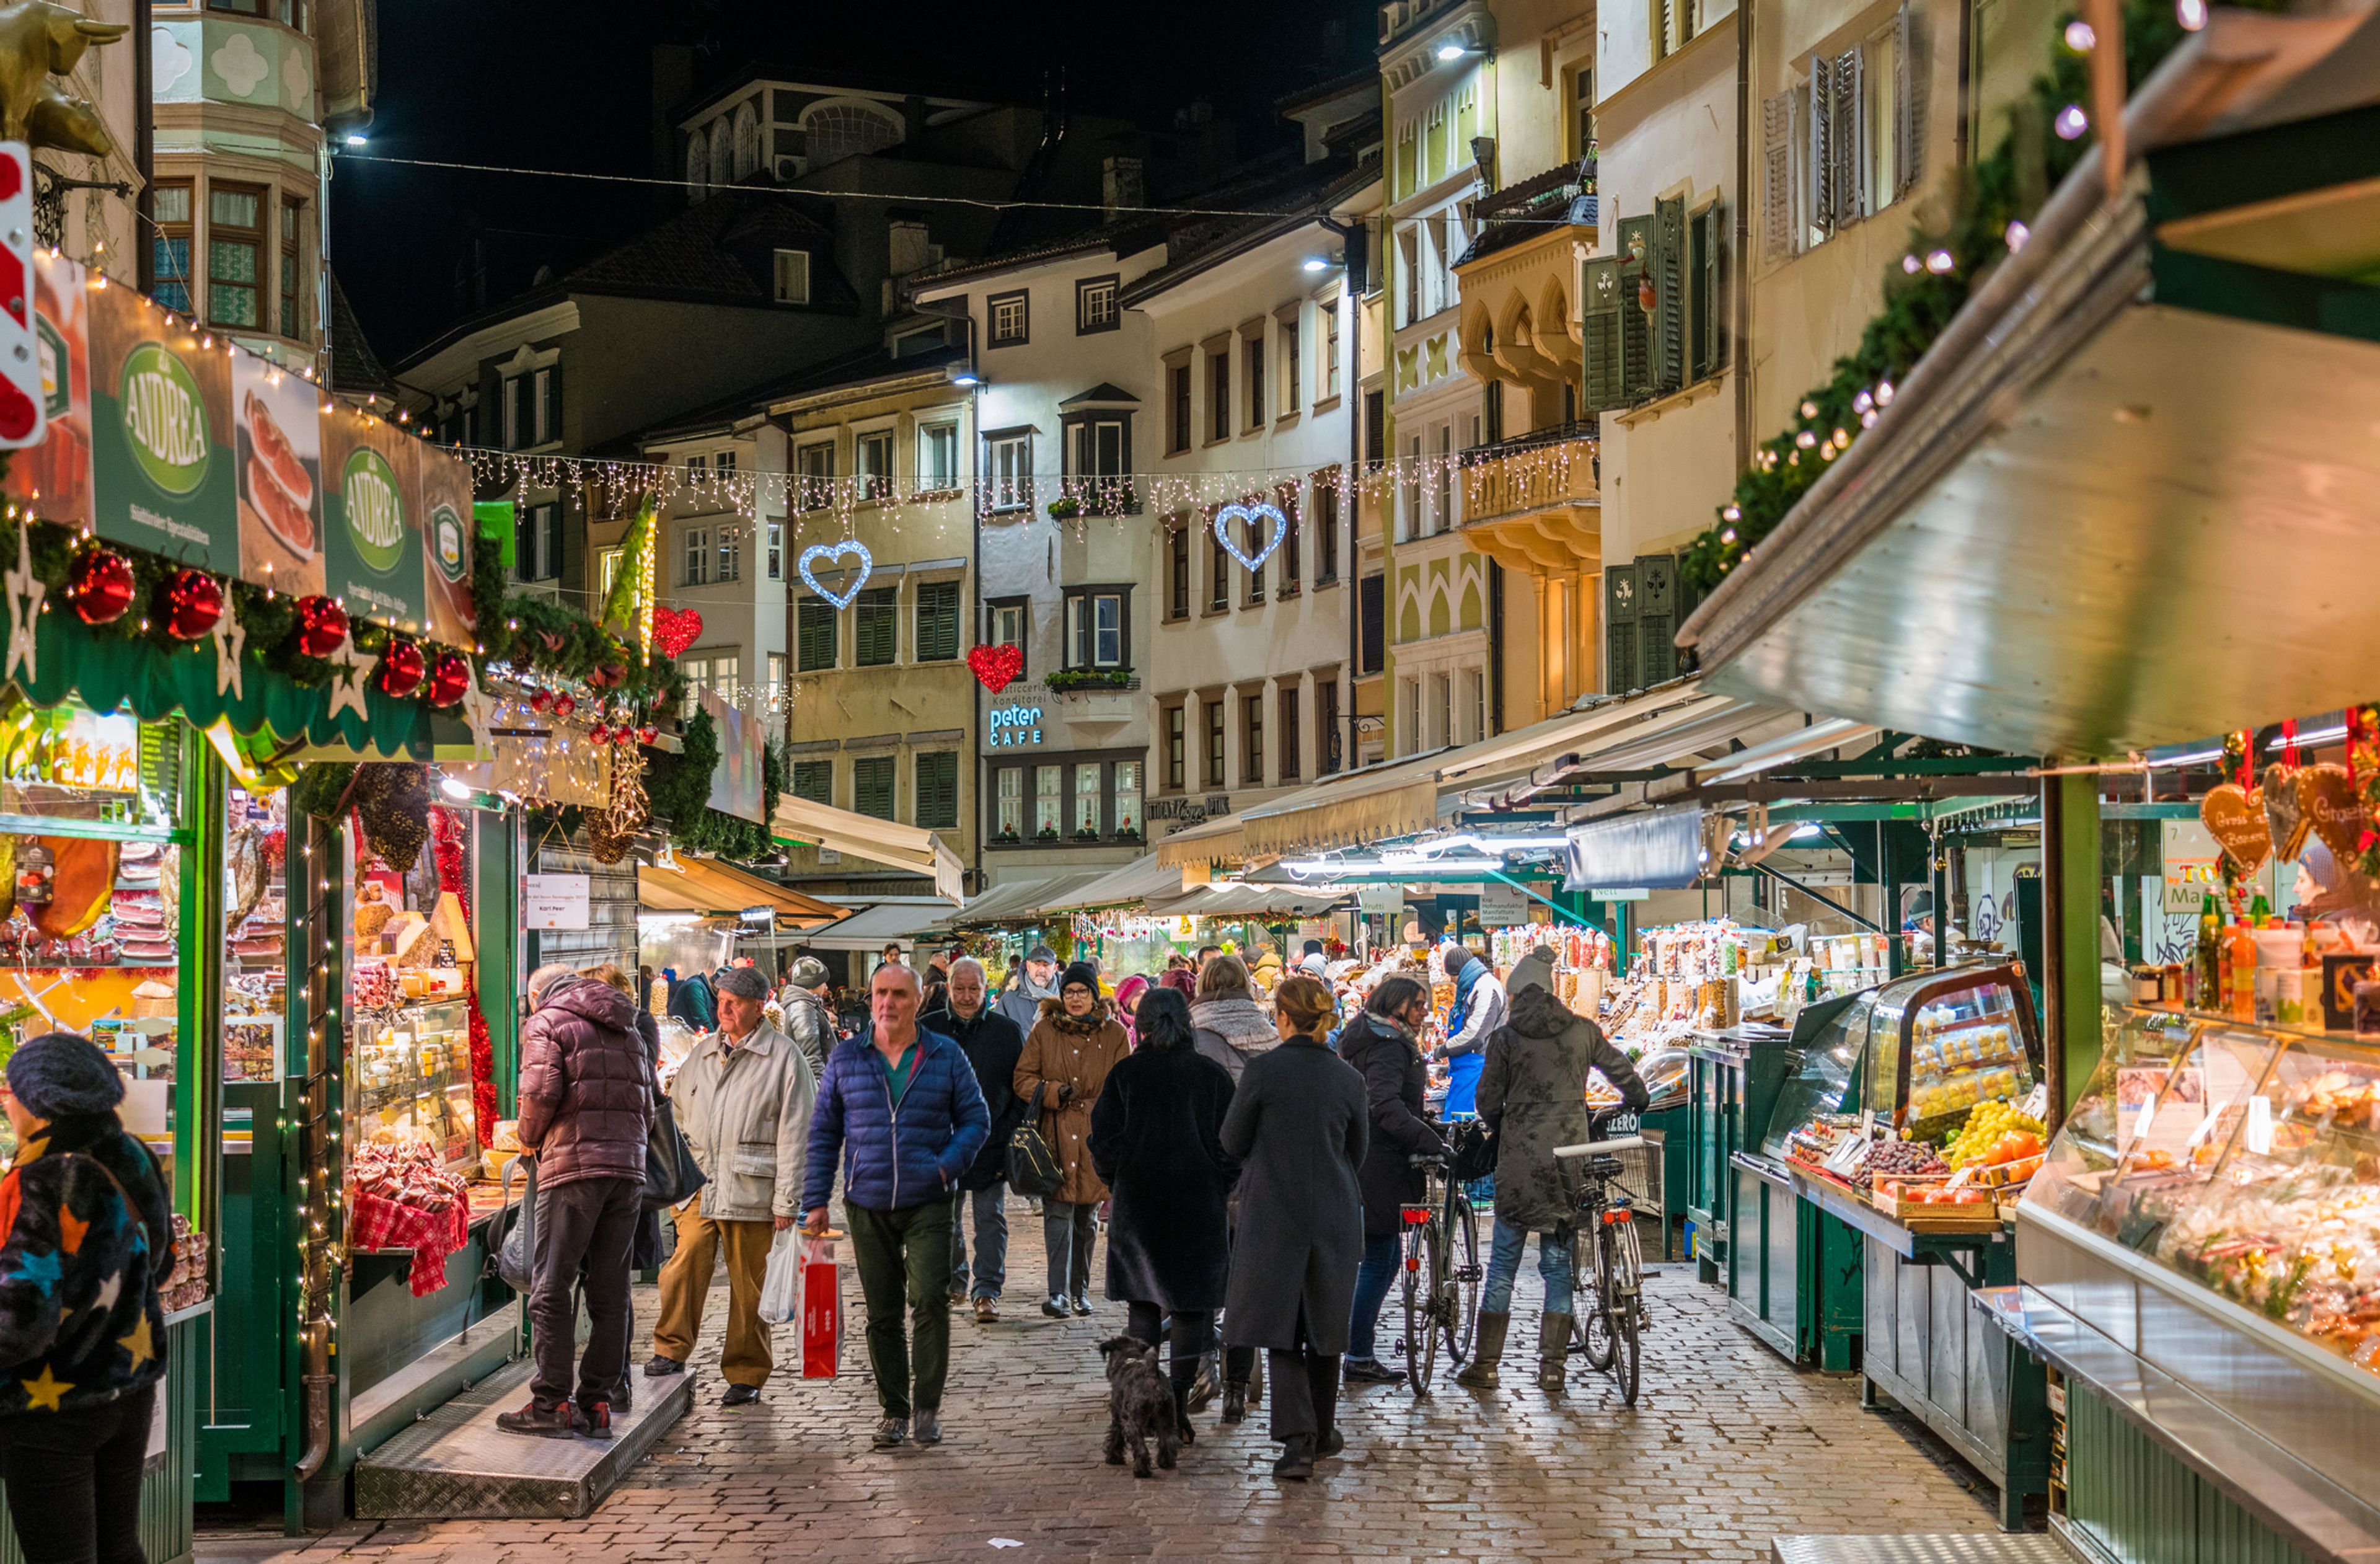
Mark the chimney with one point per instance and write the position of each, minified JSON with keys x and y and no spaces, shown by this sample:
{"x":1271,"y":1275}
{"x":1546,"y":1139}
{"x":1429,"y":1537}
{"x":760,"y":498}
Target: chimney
{"x":1120,"y":186}
{"x":908,"y":247}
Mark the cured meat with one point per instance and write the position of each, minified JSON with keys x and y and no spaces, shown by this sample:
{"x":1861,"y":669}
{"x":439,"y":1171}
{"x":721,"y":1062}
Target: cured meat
{"x":275,"y":453}
{"x":80,"y":890}
{"x":285,"y":517}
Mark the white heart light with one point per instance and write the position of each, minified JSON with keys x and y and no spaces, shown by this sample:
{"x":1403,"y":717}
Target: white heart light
{"x":817,"y":551}
{"x":1249,"y":513}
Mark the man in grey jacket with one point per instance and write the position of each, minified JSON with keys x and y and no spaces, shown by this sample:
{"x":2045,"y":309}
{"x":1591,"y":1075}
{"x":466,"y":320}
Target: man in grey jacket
{"x":743,"y":1099}
{"x":807,"y":1020}
{"x":1038,"y":981}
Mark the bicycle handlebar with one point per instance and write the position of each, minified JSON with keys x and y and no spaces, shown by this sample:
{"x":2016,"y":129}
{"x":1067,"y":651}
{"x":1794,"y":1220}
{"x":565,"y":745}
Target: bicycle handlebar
{"x":1600,"y":1147}
{"x":1438,"y":1159}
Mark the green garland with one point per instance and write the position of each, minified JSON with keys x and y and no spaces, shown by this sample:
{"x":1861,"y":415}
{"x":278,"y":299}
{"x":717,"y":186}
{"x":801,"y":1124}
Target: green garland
{"x":2009,"y":185}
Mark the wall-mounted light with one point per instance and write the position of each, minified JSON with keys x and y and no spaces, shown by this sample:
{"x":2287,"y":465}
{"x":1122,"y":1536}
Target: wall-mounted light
{"x":963,"y":374}
{"x":357,"y":140}
{"x":1317,"y":263}
{"x":1451,"y":51}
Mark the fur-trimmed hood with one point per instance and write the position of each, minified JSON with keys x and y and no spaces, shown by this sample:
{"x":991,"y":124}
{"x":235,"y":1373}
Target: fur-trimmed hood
{"x":1102,"y":1011}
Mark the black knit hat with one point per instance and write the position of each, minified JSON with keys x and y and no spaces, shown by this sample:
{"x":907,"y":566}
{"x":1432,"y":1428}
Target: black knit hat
{"x":1084,"y":973}
{"x":58,"y":1074}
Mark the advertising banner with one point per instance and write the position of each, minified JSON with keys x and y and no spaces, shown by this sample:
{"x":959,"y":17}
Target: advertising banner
{"x":447,"y":524}
{"x":53,"y":478}
{"x":278,"y":439}
{"x":736,"y":785}
{"x":161,"y":434}
{"x":372,"y":523}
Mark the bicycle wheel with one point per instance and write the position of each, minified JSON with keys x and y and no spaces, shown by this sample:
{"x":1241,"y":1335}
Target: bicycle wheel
{"x":1463,"y":1276}
{"x":1626,"y":1306}
{"x":1592,"y":1322}
{"x":1421,"y":1337}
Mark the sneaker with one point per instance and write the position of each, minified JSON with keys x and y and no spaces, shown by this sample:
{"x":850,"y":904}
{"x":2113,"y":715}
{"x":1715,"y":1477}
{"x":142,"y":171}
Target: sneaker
{"x":1082,"y":1305}
{"x":550,"y":1422}
{"x":892,"y":1431}
{"x":987,"y":1311}
{"x":926,"y":1428}
{"x":1056,"y":1309}
{"x":595,"y":1419}
{"x":1369,"y":1371}
{"x":661,"y":1367}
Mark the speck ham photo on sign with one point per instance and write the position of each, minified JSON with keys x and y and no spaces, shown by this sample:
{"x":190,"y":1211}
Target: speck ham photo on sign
{"x":278,"y":439}
{"x":372,"y":521}
{"x":161,"y":434}
{"x":53,"y":478}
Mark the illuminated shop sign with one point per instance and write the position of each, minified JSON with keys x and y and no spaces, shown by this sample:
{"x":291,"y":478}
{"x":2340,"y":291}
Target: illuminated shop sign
{"x":1012,"y":726}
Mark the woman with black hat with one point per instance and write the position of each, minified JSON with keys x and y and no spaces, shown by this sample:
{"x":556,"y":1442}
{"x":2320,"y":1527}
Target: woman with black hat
{"x":82,"y":1334}
{"x":1067,"y":1056}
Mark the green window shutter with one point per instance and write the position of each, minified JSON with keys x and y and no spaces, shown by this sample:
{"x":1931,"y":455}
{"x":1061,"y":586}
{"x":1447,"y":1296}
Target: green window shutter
{"x":1657,"y":616}
{"x":938,"y":791}
{"x":1619,"y":657}
{"x":876,"y":628}
{"x":1669,"y":268}
{"x":1636,"y":263}
{"x":1599,"y":360}
{"x":814,"y":647}
{"x":871,"y":786}
{"x":1705,"y":309}
{"x":814,"y":781}
{"x":937,"y":621}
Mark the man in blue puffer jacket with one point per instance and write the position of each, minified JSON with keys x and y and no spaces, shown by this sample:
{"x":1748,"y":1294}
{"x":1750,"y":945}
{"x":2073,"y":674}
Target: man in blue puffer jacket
{"x":902,"y":1112}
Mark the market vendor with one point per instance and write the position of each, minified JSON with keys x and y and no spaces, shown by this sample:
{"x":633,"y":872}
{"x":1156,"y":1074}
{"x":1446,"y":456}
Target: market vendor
{"x":1477,"y":1010}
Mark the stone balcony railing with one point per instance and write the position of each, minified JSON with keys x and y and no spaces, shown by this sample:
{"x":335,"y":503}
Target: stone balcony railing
{"x":1556,"y":467}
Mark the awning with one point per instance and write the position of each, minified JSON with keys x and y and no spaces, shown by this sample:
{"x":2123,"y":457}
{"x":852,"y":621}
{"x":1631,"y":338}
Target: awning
{"x":705,"y":885}
{"x":1246,"y":899}
{"x":879,"y":841}
{"x":901,"y":919}
{"x":1142,"y":879}
{"x":1021,"y":901}
{"x":2130,"y":495}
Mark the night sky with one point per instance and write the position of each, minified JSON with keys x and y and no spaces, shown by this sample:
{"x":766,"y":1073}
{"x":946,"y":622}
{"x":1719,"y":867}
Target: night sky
{"x":545,"y":84}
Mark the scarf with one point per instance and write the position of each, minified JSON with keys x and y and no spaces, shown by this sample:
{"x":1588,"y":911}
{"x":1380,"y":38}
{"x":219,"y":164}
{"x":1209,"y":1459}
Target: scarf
{"x":1091,"y":1021}
{"x":1464,"y":981}
{"x":1239,"y":1022}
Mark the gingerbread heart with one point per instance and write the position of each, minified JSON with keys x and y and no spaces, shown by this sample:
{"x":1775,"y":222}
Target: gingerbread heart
{"x":2326,"y":797}
{"x":996,"y":667}
{"x":2284,"y":813}
{"x":2235,"y":817}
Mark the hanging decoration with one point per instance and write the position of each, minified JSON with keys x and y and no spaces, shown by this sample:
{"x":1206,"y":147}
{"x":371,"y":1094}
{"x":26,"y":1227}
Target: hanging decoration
{"x":25,"y":609}
{"x":2331,"y":806}
{"x":996,"y":667}
{"x":1251,"y":563}
{"x":231,"y":640}
{"x":349,"y":675}
{"x":402,"y":669}
{"x":2283,"y":814}
{"x":190,"y":604}
{"x":449,"y":678}
{"x":675,"y":629}
{"x":392,"y":805}
{"x":2235,"y":817}
{"x":447,"y":830}
{"x":100,"y":585}
{"x":817,"y":551}
{"x":612,"y":832}
{"x":321,"y":627}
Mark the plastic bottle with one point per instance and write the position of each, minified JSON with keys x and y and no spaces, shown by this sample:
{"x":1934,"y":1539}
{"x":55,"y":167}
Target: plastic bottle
{"x":2208,"y":963}
{"x":2243,"y":972}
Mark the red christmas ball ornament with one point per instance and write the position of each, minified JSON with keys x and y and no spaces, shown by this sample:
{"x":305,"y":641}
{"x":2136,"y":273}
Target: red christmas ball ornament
{"x":600,"y":734}
{"x":541,"y":702}
{"x":99,"y":586}
{"x":625,"y":738}
{"x":190,"y":604}
{"x":564,"y":704}
{"x":647,"y":734}
{"x":450,"y":679}
{"x":402,"y":669}
{"x":321,"y":625}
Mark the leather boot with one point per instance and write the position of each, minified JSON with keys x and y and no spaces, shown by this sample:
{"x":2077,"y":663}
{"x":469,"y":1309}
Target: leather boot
{"x":1553,"y":1354}
{"x":1236,"y":1401}
{"x":1479,"y":1374}
{"x":1183,"y":1375}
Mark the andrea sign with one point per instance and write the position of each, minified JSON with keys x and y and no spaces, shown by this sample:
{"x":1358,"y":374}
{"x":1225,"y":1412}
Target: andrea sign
{"x":1012,"y":726}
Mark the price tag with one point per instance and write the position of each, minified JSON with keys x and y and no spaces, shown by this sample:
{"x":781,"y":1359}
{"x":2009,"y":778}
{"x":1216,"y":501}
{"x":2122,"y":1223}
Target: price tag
{"x":2036,"y":1101}
{"x":2260,"y":1125}
{"x":2141,"y":1124}
{"x":1845,"y":1156}
{"x":1960,"y":1179}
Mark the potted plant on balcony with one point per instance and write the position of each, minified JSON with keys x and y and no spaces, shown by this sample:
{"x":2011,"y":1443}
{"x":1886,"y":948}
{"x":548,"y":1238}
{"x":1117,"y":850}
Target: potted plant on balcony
{"x":1086,"y":834}
{"x":1063,"y":679}
{"x":1128,"y":831}
{"x":1047,"y":833}
{"x":1065,"y":507}
{"x":1009,"y":837}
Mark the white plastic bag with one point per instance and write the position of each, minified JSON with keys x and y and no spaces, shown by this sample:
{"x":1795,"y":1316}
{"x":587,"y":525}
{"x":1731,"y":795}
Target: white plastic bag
{"x":780,"y":1286}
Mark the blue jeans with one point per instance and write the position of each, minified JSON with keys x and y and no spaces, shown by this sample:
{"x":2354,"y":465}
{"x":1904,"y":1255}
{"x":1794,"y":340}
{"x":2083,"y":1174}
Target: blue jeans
{"x":991,"y":1241}
{"x":1504,"y":1264}
{"x":1383,"y":1253}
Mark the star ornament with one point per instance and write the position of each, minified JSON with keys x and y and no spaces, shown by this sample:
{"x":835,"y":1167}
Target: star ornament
{"x":231,"y":640}
{"x":25,"y":594}
{"x":348,"y":668}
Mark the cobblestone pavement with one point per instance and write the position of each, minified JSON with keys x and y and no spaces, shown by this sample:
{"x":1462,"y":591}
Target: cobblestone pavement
{"x":1727,"y":1447}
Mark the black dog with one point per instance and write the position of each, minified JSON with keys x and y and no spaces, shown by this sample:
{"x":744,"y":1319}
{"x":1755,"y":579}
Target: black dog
{"x":1140,"y":1403}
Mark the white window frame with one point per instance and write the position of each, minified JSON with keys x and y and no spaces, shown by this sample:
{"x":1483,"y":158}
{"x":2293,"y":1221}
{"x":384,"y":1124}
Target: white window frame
{"x":540,"y":389}
{"x":874,"y":484}
{"x":1008,"y":463}
{"x":814,"y":490}
{"x":731,"y":553}
{"x":791,"y":275}
{"x":938,"y":456}
{"x":694,"y":555}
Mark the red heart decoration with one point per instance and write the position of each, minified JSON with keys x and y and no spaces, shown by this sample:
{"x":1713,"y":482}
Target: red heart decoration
{"x":996,"y":667}
{"x":675,"y":629}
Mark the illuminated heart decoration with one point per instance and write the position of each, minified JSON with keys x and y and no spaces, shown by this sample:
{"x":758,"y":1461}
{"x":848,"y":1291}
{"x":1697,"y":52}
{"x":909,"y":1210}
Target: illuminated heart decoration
{"x":2327,"y":798}
{"x":1249,"y":513}
{"x":2285,"y":811}
{"x":675,"y":629}
{"x":817,"y":551}
{"x":2236,"y":819}
{"x":996,"y":667}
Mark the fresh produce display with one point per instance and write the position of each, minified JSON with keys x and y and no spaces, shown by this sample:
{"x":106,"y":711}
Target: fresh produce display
{"x":1903,"y":1157}
{"x":1994,"y":1133}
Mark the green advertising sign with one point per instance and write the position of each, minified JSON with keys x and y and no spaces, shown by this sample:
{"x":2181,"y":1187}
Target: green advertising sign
{"x":163,"y":471}
{"x":449,"y":549}
{"x":165,"y":421}
{"x":374,"y":532}
{"x":375,"y":510}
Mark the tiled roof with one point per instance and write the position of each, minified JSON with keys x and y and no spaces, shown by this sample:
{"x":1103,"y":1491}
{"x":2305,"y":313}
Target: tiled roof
{"x":354,"y":367}
{"x":1304,"y":194}
{"x":721,"y":249}
{"x":872,"y":363}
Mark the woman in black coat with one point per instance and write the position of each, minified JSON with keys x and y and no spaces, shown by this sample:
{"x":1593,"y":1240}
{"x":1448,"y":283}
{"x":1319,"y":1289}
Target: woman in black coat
{"x":1298,"y":1127}
{"x":1156,"y":1142}
{"x":1380,"y":1044}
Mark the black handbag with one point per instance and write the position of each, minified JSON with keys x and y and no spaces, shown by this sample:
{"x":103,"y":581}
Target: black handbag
{"x":672,"y":1175}
{"x":1472,"y":1151}
{"x":1032,"y":1170}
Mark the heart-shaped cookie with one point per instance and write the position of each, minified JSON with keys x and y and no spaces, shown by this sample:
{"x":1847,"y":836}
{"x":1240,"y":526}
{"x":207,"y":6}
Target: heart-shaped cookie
{"x":2235,"y":817}
{"x":996,"y":667}
{"x":2283,"y":812}
{"x":2326,"y":797}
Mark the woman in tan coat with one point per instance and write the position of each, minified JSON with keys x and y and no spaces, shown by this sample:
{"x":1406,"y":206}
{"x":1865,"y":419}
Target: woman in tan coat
{"x":1066,"y":1060}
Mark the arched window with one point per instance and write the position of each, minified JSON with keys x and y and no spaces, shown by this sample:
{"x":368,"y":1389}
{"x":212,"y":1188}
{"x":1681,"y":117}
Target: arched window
{"x":747,"y":141}
{"x":697,"y":167}
{"x":721,"y":173}
{"x":846,"y":130}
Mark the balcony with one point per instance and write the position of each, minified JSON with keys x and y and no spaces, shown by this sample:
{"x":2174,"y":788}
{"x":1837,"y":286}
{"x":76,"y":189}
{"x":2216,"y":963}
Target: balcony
{"x":1533,"y":504}
{"x":1520,"y":319}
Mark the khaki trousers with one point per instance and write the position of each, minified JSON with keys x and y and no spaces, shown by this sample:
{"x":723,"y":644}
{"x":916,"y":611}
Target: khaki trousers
{"x":686,"y":1283}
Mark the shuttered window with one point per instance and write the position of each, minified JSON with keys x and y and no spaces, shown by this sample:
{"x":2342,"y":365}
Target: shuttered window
{"x":1909,"y":100}
{"x":814,"y":635}
{"x":1777,"y":177}
{"x":1619,"y":656}
{"x":937,"y":621}
{"x":1600,"y":336}
{"x":813,"y":781}
{"x":1652,"y":316}
{"x":1705,"y":336}
{"x":938,"y":791}
{"x":1847,"y":137}
{"x":1667,"y":267}
{"x":876,"y":628}
{"x":871,"y":786}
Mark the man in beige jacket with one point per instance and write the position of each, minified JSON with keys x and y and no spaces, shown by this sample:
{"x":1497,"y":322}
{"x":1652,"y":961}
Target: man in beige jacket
{"x":743,"y":1099}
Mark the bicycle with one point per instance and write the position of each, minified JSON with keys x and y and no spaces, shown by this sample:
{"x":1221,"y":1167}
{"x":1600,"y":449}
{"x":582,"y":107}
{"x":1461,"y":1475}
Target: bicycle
{"x":1609,"y":1328}
{"x":1442,"y":1278}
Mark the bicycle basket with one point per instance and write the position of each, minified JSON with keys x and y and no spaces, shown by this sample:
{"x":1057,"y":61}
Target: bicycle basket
{"x":1473,"y":1151}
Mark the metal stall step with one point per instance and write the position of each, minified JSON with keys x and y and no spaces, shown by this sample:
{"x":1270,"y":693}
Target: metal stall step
{"x":456,"y":1464}
{"x":1960,"y":1548}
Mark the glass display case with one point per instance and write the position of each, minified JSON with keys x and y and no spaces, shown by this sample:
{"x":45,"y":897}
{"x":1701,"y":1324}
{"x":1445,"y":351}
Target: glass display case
{"x":410,"y":1079}
{"x":2243,"y":1158}
{"x":1940,"y":1043}
{"x":1823,"y":1084}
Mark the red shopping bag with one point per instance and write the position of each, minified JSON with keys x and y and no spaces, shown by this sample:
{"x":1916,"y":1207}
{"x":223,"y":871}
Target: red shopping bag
{"x":821,"y":1308}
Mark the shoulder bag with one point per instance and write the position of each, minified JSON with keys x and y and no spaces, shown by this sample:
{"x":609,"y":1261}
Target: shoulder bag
{"x":1032,"y":1170}
{"x":672,"y":1175}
